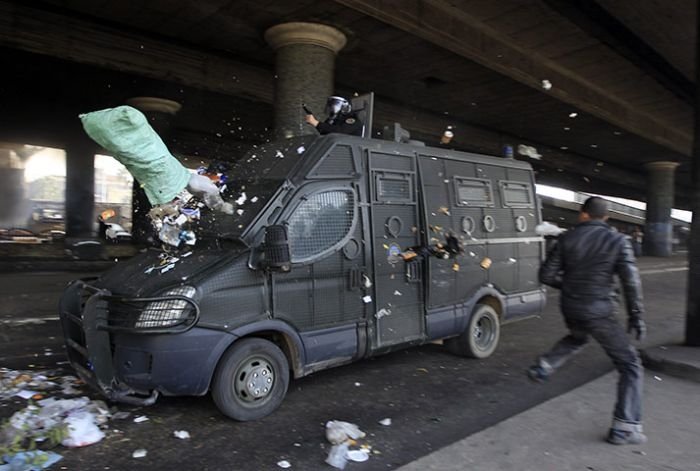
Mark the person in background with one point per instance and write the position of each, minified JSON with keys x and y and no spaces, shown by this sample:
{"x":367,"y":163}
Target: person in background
{"x":637,"y":238}
{"x":582,"y":264}
{"x":341,"y":118}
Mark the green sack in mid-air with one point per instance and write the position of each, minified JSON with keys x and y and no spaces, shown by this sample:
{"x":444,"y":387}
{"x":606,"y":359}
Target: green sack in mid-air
{"x":125,"y":132}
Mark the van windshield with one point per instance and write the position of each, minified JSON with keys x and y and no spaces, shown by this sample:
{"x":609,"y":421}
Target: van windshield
{"x":252,"y":181}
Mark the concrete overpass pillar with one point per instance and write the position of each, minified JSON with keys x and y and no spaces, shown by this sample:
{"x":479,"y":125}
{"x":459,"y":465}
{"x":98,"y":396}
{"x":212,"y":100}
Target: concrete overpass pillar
{"x":305,"y":67}
{"x":160,"y":113}
{"x":80,"y":187}
{"x":13,"y":210}
{"x":658,"y":229}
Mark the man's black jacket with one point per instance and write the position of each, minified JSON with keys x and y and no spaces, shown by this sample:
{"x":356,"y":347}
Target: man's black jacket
{"x":343,"y":123}
{"x":582,"y":264}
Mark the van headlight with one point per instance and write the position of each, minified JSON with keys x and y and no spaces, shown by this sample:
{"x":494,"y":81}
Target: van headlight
{"x":168,"y":312}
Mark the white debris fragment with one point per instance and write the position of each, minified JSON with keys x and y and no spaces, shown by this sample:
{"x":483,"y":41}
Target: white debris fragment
{"x":240,"y":212}
{"x":140,"y":453}
{"x":512,"y":260}
{"x":254,"y":199}
{"x":529,"y":151}
{"x":367,"y":299}
{"x":573,"y":115}
{"x":26,"y":394}
{"x":181,"y":434}
{"x":358,"y":384}
{"x":140,"y":418}
{"x":301,"y":149}
{"x":242,"y":199}
{"x":383,"y":312}
{"x":658,"y":378}
{"x":397,"y":293}
{"x":357,"y":455}
{"x":284,"y":464}
{"x":385,"y":422}
{"x":546,"y":84}
{"x":279,"y":154}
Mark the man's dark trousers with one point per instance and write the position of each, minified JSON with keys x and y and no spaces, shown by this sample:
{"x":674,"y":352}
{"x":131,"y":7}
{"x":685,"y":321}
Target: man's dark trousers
{"x":608,"y":332}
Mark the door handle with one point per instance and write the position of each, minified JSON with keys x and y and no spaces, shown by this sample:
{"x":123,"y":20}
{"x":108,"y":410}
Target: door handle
{"x":414,"y":271}
{"x":355,"y":278}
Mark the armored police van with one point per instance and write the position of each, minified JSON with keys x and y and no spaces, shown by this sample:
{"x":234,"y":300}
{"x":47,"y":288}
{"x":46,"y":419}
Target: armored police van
{"x":342,"y":248}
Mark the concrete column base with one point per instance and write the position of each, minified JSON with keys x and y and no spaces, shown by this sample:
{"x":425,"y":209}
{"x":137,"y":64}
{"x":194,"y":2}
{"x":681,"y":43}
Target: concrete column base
{"x":658,"y":239}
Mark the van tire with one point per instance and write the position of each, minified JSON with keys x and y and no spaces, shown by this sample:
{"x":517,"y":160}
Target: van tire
{"x":480,"y":339}
{"x":251,"y":379}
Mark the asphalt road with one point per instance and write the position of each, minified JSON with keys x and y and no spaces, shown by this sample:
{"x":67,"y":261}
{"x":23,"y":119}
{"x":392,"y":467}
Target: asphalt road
{"x":432,"y":397}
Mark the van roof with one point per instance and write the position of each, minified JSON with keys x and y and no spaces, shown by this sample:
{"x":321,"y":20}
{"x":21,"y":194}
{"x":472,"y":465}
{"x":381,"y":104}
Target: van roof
{"x":390,"y":146}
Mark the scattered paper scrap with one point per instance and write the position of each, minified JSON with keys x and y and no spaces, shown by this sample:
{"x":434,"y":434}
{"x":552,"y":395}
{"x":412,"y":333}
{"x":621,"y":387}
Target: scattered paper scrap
{"x":140,"y":453}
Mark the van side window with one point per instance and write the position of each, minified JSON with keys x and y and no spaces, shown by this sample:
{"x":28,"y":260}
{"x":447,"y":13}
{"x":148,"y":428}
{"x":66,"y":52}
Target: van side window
{"x":516,"y":194}
{"x":320,"y":222}
{"x":473,"y":191}
{"x":393,"y":187}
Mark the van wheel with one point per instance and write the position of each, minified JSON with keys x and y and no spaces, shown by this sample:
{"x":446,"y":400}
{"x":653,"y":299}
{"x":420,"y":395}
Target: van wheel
{"x":251,"y":380}
{"x":480,"y":339}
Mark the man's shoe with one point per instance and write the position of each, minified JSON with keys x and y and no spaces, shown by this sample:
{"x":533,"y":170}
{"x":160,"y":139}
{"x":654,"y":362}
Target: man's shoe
{"x":537,"y":374}
{"x":620,"y":437}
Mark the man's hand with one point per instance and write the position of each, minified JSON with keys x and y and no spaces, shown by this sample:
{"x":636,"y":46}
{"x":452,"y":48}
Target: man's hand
{"x":637,"y":325}
{"x":311,"y":119}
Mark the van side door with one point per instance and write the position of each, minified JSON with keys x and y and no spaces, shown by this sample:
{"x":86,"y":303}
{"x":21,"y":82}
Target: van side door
{"x":456,"y":200}
{"x":398,"y":305}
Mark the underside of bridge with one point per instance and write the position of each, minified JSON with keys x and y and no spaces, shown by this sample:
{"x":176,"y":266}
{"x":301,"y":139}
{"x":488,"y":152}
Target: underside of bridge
{"x":603,"y":90}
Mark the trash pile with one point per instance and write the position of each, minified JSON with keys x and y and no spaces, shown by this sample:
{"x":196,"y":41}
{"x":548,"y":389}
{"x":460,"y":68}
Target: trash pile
{"x":46,"y":422}
{"x":343,"y":436}
{"x":174,"y":222}
{"x":32,"y":384}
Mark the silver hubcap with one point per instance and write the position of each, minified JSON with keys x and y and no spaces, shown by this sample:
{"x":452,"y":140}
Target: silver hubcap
{"x":254,"y":380}
{"x":483,"y":333}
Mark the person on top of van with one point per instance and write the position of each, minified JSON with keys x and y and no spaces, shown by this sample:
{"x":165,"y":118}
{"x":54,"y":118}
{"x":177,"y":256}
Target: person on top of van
{"x":582,"y":264}
{"x":341,"y":119}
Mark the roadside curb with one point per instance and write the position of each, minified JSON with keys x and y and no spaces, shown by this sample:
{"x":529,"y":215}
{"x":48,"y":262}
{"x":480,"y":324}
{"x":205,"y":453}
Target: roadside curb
{"x":675,"y":360}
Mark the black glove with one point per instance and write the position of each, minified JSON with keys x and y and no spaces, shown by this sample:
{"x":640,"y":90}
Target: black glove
{"x":637,"y":325}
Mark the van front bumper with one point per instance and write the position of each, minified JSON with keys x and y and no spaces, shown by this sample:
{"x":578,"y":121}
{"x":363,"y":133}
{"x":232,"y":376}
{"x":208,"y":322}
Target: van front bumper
{"x":109,"y":352}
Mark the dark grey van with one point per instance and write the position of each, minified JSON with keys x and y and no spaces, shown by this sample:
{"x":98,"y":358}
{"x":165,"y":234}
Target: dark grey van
{"x":312,"y":273}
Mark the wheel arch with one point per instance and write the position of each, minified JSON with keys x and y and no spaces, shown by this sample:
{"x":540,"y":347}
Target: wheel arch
{"x":494,"y":302}
{"x":281,"y":334}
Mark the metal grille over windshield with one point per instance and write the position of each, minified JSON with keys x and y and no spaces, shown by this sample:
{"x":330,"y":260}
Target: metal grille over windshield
{"x":320,"y":222}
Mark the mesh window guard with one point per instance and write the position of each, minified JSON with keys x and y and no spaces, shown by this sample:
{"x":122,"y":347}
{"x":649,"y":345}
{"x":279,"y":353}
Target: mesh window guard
{"x":320,"y":222}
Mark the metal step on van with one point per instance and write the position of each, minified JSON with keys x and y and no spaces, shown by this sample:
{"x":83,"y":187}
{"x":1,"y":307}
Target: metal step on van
{"x":345,"y":248}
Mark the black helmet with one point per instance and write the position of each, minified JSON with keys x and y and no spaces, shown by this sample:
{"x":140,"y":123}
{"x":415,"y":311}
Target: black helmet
{"x":337,"y":104}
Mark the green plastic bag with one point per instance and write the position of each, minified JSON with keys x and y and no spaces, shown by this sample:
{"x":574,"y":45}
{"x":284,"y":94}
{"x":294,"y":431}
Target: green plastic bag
{"x":124,"y":131}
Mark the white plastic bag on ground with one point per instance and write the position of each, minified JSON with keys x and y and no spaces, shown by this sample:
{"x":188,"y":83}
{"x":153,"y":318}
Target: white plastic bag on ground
{"x":82,"y":430}
{"x":337,"y":457}
{"x":338,"y":431}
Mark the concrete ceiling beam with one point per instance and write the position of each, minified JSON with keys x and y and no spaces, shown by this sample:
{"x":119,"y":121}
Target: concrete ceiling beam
{"x":446,"y":25}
